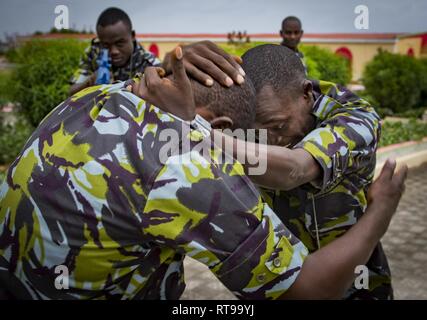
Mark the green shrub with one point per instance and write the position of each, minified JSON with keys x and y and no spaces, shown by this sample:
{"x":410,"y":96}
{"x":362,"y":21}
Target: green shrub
{"x":328,"y":66}
{"x":423,"y":82}
{"x":6,"y":86}
{"x":12,"y":55}
{"x":321,"y":63}
{"x":312,"y":68}
{"x":2,"y":176}
{"x":383,"y":112}
{"x":13,"y":137}
{"x":43,"y":74}
{"x":395,"y":132}
{"x":393,"y":81}
{"x":412,"y":113}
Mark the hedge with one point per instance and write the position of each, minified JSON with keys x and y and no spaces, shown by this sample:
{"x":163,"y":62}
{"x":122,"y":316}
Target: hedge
{"x":327,"y":65}
{"x":396,"y":82}
{"x":321,"y":63}
{"x":396,"y":132}
{"x":42,"y":77}
{"x":13,"y":137}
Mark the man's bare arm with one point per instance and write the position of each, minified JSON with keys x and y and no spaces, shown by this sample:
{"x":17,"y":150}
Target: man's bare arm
{"x":329,"y":272}
{"x":286,"y":168}
{"x":206,"y":62}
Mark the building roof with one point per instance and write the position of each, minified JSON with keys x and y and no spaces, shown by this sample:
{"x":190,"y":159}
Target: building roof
{"x":413,"y":35}
{"x":268,"y":37}
{"x":422,"y":35}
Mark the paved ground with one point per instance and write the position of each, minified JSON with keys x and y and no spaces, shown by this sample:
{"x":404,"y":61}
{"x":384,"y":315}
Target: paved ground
{"x":405,"y":244}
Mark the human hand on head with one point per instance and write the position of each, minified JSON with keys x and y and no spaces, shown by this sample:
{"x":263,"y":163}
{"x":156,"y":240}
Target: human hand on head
{"x":173,"y":94}
{"x":206,"y":62}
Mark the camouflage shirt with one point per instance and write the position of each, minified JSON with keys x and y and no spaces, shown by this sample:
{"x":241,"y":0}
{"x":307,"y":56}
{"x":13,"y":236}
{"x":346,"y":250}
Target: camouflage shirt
{"x":344,"y":144}
{"x":139,"y":60}
{"x":90,"y":193}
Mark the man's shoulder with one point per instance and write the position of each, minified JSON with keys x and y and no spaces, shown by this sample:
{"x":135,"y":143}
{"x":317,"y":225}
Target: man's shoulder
{"x":332,"y":99}
{"x":95,"y":42}
{"x":93,"y":48}
{"x":144,"y":57}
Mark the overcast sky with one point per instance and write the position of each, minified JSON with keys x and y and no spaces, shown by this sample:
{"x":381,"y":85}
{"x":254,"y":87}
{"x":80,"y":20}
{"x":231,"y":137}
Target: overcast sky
{"x":219,"y":16}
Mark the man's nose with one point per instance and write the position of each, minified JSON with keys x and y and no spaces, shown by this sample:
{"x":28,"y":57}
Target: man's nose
{"x":114,"y":51}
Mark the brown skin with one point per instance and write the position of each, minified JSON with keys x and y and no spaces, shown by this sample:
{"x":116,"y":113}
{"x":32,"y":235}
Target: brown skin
{"x":291,"y":33}
{"x":118,"y":39}
{"x":177,"y":86}
{"x":172,"y":94}
{"x":338,"y":259}
{"x":216,"y":121}
{"x":205,"y":62}
{"x":288,"y":119}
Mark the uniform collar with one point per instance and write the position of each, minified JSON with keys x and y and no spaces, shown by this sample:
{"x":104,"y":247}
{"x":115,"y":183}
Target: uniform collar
{"x":323,"y":104}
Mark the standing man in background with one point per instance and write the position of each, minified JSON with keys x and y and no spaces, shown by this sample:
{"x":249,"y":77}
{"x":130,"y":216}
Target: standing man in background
{"x":128,"y":57}
{"x":291,"y":33}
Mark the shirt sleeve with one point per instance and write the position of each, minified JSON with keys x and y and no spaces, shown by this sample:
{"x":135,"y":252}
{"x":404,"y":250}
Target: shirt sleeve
{"x":214,"y":214}
{"x":345,"y":142}
{"x":152,"y":59}
{"x":85,"y":70}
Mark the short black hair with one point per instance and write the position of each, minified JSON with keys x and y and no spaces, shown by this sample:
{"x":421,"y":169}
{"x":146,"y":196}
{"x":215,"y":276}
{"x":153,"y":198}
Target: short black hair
{"x":273,"y":65}
{"x":237,"y":102}
{"x":291,"y":18}
{"x":113,"y":15}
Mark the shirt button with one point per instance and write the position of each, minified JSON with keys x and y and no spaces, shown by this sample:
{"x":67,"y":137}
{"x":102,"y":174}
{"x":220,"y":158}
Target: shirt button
{"x":261,"y":277}
{"x":277,"y":262}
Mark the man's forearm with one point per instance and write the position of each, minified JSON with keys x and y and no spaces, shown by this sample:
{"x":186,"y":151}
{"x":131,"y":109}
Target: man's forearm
{"x":286,"y":168}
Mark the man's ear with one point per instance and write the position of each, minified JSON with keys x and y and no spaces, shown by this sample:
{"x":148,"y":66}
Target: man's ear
{"x":222,"y":123}
{"x":133,"y":34}
{"x":281,"y":33}
{"x":307,"y":88}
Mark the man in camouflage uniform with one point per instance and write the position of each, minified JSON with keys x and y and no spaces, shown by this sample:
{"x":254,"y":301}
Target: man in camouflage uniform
{"x":90,"y":193}
{"x":339,"y":133}
{"x":128,"y":57}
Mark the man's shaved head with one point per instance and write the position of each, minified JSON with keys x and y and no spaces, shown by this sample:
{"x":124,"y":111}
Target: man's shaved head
{"x":237,"y":102}
{"x":275,"y":66}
